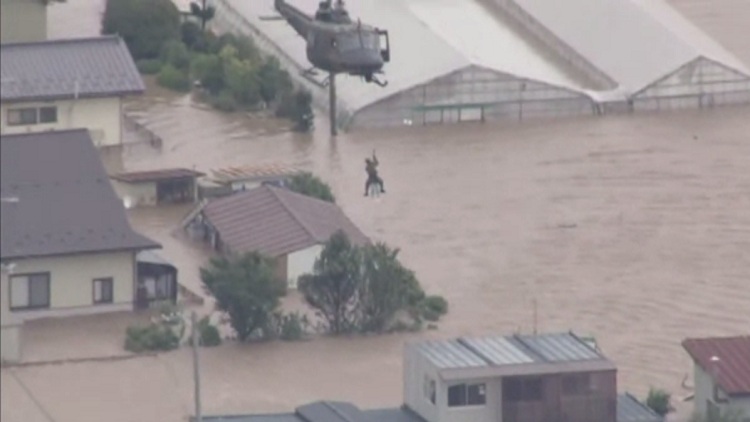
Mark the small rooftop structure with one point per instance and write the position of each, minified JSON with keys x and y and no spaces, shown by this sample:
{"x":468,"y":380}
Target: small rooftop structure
{"x":731,"y":356}
{"x":65,"y":203}
{"x":156,"y":175}
{"x":68,"y":68}
{"x":276,"y":221}
{"x":511,"y":355}
{"x":253,"y":173}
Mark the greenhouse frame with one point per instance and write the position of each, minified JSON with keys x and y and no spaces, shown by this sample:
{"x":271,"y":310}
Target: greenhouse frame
{"x":511,"y":60}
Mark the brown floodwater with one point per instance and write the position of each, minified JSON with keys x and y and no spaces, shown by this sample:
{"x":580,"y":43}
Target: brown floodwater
{"x":634,"y":229}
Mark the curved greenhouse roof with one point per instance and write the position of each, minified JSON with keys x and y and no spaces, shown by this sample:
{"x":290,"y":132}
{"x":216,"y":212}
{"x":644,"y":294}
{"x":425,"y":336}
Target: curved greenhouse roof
{"x":429,"y":39}
{"x":634,"y":42}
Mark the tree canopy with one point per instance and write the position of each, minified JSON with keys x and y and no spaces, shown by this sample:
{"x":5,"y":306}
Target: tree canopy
{"x":144,"y":25}
{"x":308,"y":184}
{"x":366,"y":289}
{"x":246,"y":288}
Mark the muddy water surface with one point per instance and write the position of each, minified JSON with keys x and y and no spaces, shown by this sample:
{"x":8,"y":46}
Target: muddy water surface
{"x":633,"y":229}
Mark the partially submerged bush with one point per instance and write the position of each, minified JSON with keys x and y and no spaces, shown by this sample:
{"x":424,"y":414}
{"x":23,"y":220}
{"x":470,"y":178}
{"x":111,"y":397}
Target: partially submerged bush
{"x":208,"y":334}
{"x":172,"y":78}
{"x":151,"y":338}
{"x":658,"y":400}
{"x":433,"y":307}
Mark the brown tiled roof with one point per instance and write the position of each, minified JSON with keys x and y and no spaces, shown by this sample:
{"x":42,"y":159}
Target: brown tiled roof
{"x":65,"y":202}
{"x":156,"y":175}
{"x":277,"y":221}
{"x":98,"y":66}
{"x":733,"y":366}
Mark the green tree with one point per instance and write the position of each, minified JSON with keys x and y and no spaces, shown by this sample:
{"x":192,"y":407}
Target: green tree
{"x":241,"y":80}
{"x":202,"y":12}
{"x":175,"y":53}
{"x":145,"y":25}
{"x":658,"y":400}
{"x":274,"y":81}
{"x":297,"y":106}
{"x":332,"y":288}
{"x":207,"y":69}
{"x":246,"y":288}
{"x":387,"y":288}
{"x":308,"y":184}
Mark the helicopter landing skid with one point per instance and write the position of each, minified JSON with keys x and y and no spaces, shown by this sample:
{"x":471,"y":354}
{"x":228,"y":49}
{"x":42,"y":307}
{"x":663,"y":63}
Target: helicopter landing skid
{"x":376,"y":81}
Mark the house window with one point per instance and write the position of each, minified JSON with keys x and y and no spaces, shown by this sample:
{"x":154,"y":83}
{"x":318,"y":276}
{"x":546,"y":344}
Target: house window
{"x":29,"y":291}
{"x":466,"y":395}
{"x":22,"y":116}
{"x":48,"y":115}
{"x":430,"y":389}
{"x":519,"y":389}
{"x":576,"y":384}
{"x":103,"y":290}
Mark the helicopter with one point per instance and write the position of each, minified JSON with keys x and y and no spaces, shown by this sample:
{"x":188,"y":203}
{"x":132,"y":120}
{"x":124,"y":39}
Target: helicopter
{"x":337,"y":44}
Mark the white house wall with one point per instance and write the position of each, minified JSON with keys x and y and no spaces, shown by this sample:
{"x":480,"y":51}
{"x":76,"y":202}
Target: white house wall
{"x":138,"y":193}
{"x":23,"y":21}
{"x":301,"y":262}
{"x":704,"y":391}
{"x":699,"y":84}
{"x":101,"y":116}
{"x":71,"y":283}
{"x":474,"y":93}
{"x":10,"y":329}
{"x":416,"y":368}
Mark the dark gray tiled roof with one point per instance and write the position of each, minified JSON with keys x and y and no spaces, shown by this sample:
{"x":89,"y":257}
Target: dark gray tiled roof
{"x":65,"y":202}
{"x":327,"y":411}
{"x":276,"y":221}
{"x":629,"y":409}
{"x":57,"y":69}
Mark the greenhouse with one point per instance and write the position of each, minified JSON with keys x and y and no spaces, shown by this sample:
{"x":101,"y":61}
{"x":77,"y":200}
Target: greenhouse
{"x":489,"y":60}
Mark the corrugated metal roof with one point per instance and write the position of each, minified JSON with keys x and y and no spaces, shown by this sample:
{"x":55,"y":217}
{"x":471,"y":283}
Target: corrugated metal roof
{"x":66,"y":203}
{"x":55,"y":69}
{"x":430,"y":39}
{"x":509,"y":350}
{"x":242,"y":173}
{"x":559,"y":347}
{"x":629,"y":409}
{"x":635,"y":42}
{"x":276,"y":221}
{"x":156,"y":175}
{"x":498,"y":350}
{"x":322,"y":415}
{"x":449,"y":354}
{"x":732,"y":369}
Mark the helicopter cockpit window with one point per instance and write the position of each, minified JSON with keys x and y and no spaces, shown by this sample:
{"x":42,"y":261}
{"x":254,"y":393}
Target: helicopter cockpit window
{"x":356,"y":41}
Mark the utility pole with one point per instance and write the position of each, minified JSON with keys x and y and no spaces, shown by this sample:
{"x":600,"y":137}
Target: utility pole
{"x":196,"y":371}
{"x":332,"y":102}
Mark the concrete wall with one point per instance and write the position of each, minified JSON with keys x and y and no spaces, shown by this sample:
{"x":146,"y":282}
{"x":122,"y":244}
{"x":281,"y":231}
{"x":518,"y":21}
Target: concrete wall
{"x":704,"y":391}
{"x":23,"y":21}
{"x":416,"y":372}
{"x":102,"y":116}
{"x":138,"y":193}
{"x":300,"y":263}
{"x":71,"y":283}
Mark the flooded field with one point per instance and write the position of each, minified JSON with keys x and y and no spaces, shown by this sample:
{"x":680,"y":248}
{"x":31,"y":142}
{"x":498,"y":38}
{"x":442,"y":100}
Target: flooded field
{"x":634,"y":229}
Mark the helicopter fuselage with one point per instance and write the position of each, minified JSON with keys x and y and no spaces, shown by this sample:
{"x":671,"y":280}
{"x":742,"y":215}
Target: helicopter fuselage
{"x":345,"y":48}
{"x":336,"y":44}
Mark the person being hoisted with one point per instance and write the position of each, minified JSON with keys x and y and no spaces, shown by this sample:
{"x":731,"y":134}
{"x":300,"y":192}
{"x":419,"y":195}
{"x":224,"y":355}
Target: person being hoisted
{"x":371,"y":167}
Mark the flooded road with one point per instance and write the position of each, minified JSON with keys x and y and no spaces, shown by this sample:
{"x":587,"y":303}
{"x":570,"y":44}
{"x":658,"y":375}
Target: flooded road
{"x":634,"y":229}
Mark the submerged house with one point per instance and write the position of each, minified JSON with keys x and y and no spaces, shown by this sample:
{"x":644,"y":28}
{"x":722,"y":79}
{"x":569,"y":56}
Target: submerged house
{"x":67,"y":246}
{"x":721,"y":375}
{"x":289,"y":227}
{"x":157,"y":187}
{"x":555,"y":377}
{"x":67,"y":84}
